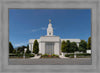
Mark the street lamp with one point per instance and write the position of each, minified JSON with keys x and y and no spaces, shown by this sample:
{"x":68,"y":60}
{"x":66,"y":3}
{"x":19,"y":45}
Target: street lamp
{"x":24,"y":52}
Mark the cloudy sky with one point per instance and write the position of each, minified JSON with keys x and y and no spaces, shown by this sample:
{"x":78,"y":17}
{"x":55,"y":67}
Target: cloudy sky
{"x":25,"y":24}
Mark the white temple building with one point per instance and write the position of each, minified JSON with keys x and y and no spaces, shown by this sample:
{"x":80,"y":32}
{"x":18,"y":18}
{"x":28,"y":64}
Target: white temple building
{"x":50,"y":44}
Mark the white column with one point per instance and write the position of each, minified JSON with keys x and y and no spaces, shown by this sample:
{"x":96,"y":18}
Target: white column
{"x":56,"y":49}
{"x":39,"y":47}
{"x":31,"y":48}
{"x":43,"y":48}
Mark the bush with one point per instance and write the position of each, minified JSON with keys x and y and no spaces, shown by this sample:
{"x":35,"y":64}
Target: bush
{"x":54,"y":55}
{"x":29,"y":55}
{"x":83,"y":55}
{"x":19,"y":55}
{"x":69,"y":55}
{"x":12,"y":55}
{"x":15,"y":55}
{"x":39,"y":54}
{"x":45,"y":55}
{"x":49,"y":56}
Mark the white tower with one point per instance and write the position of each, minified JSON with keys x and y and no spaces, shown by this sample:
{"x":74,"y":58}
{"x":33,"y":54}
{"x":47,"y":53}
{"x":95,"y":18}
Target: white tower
{"x":49,"y":29}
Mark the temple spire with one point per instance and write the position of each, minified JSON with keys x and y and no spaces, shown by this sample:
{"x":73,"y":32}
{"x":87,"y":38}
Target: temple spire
{"x":49,"y":29}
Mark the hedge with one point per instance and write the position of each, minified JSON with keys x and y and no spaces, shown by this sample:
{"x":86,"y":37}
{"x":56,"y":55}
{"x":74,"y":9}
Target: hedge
{"x":78,"y":55}
{"x":21,"y":55}
{"x":83,"y":55}
{"x":69,"y":55}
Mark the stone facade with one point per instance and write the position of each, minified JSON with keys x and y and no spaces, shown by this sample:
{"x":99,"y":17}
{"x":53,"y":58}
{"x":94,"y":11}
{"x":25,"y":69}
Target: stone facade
{"x":50,"y":44}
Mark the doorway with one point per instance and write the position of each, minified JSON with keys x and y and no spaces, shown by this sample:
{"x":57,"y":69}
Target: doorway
{"x":49,"y":48}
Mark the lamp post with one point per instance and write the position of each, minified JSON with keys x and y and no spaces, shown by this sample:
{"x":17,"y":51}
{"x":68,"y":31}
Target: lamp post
{"x":24,"y":52}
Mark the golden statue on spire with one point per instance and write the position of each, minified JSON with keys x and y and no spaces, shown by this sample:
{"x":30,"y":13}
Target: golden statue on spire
{"x":49,"y":20}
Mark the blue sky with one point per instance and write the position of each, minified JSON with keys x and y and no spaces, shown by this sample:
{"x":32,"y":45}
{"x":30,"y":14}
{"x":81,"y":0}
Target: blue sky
{"x":25,"y":24}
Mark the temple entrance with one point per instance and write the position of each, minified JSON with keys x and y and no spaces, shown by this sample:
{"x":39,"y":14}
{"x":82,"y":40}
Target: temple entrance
{"x":49,"y":48}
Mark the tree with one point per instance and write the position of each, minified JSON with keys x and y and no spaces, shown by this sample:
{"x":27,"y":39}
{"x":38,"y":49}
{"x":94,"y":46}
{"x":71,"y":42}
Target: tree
{"x":28,"y":51}
{"x":89,"y":43}
{"x":10,"y":47}
{"x":21,"y":49}
{"x":83,"y":46}
{"x":36,"y":47}
{"x":68,"y":46}
{"x":14,"y":51}
{"x":73,"y":47}
{"x":63,"y":46}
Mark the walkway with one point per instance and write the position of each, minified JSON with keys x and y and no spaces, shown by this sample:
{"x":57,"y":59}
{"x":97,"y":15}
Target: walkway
{"x":51,"y":61}
{"x":63,"y":57}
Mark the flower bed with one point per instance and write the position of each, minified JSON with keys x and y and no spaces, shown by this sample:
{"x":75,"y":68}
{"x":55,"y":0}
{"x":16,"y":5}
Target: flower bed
{"x":49,"y":56}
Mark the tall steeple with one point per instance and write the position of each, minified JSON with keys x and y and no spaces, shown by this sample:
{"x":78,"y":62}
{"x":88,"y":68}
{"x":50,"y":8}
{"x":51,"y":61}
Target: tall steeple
{"x":49,"y":29}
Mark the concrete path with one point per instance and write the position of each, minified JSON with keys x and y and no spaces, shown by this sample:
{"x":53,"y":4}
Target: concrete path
{"x":51,"y":61}
{"x":63,"y":57}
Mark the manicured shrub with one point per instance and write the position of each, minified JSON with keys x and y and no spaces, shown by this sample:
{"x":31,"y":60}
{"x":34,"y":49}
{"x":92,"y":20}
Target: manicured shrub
{"x":12,"y":55}
{"x":67,"y":55}
{"x":19,"y":55}
{"x":84,"y":54}
{"x":54,"y":55}
{"x":71,"y":55}
{"x":31,"y":55}
{"x":49,"y":56}
{"x":45,"y":55}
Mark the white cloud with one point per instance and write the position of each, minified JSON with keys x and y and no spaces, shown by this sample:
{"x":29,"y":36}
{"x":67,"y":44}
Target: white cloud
{"x":21,"y":44}
{"x":35,"y":30}
{"x":43,"y":28}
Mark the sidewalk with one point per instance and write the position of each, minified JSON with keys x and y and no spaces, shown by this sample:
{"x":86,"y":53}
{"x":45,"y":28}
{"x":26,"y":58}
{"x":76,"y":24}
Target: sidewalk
{"x":63,"y":57}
